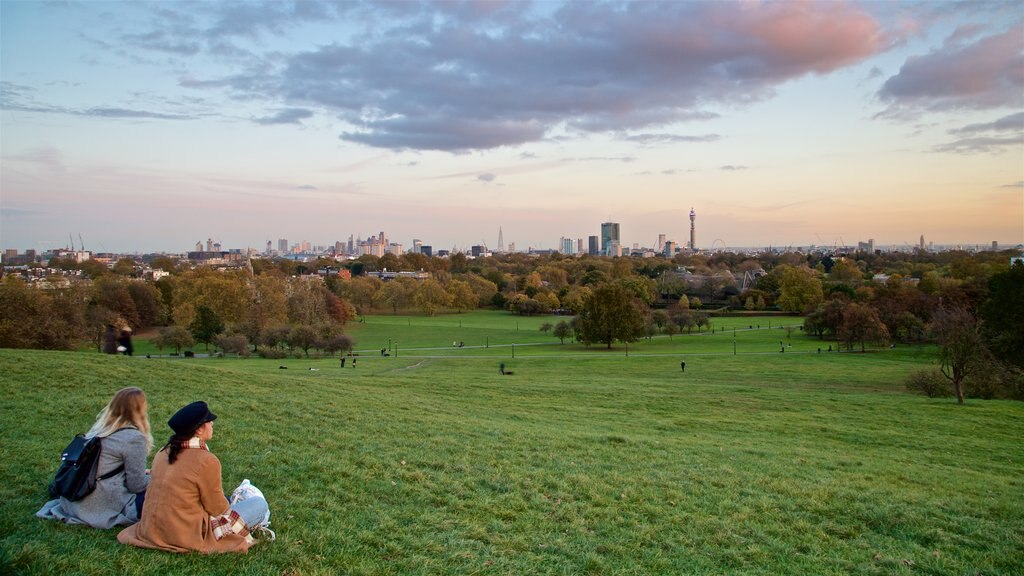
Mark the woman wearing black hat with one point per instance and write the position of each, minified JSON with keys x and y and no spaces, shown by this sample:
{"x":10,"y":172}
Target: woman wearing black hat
{"x":186,"y":509}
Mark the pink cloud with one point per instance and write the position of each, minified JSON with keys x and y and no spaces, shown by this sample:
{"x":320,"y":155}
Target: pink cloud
{"x":988,"y":73}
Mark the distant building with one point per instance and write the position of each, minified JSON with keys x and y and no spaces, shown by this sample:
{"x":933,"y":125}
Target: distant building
{"x":669,"y":250}
{"x":609,"y":236}
{"x":565,"y":245}
{"x":592,"y":246}
{"x":427,"y":251}
{"x":282,"y":245}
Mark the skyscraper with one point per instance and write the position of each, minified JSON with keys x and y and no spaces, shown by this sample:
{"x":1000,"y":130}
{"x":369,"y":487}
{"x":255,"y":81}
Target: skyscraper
{"x":609,"y":236}
{"x":282,"y":245}
{"x":693,"y":229}
{"x":592,"y":247}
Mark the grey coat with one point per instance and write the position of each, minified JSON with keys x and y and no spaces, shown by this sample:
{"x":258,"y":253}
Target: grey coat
{"x":113,"y":501}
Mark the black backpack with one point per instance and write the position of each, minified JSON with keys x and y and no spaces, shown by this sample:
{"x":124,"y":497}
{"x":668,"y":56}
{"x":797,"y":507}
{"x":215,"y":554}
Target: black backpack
{"x":76,"y":477}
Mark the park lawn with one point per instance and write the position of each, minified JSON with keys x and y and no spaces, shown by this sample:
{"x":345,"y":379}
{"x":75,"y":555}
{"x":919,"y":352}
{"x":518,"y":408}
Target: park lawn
{"x":582,"y":463}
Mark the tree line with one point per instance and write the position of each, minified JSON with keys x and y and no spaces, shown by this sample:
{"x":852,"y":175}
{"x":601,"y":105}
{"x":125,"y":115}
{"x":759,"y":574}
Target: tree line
{"x":281,"y":305}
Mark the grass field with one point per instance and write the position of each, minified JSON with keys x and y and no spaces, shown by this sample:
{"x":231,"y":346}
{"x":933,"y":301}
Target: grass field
{"x":583,"y":461}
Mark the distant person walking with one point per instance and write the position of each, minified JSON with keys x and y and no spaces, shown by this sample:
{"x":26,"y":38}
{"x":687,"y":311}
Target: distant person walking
{"x":342,"y":360}
{"x":682,"y":366}
{"x":501,"y":369}
{"x":110,"y":340}
{"x":125,"y":341}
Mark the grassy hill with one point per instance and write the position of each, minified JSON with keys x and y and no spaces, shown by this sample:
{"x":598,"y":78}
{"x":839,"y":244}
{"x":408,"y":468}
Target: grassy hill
{"x":581,"y":462}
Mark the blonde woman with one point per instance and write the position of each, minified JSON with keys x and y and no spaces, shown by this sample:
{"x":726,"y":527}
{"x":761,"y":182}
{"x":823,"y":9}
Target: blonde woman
{"x":124,"y":427}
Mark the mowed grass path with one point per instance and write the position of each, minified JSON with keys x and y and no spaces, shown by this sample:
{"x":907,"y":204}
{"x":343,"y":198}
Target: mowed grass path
{"x":758,"y":463}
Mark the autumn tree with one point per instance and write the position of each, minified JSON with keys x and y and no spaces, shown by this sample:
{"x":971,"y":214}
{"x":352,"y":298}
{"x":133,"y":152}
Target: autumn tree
{"x":861,"y":324}
{"x":461,"y":296}
{"x":111,"y":292}
{"x":35,"y":318}
{"x":612,"y":313}
{"x":430,"y":296}
{"x":960,"y":346}
{"x":149,"y":305}
{"x":267,"y":305}
{"x":799,"y":289}
{"x":397,"y":293}
{"x":176,"y":337}
{"x":304,"y":337}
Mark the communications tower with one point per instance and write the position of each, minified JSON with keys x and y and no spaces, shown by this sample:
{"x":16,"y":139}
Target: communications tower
{"x":693,"y":230}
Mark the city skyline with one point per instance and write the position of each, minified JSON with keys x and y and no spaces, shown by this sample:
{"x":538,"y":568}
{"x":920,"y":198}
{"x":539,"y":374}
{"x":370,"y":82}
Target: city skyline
{"x":146,"y":127}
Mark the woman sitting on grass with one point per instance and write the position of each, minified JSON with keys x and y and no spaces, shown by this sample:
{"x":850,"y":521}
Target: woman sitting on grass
{"x":186,"y":509}
{"x":124,"y":427}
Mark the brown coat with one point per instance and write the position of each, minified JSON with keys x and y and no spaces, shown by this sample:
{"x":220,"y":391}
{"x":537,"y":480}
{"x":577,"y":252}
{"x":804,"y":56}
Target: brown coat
{"x":179,"y":502}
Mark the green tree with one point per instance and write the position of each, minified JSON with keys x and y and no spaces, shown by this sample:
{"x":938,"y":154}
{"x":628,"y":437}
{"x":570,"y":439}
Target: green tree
{"x":1003,"y":315}
{"x":206,"y":325}
{"x":562,"y":331}
{"x":611,"y":314}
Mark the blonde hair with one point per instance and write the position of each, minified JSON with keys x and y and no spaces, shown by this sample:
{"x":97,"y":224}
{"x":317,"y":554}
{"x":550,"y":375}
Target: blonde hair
{"x":128,"y":407}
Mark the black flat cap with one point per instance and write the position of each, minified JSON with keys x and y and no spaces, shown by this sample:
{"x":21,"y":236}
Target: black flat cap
{"x":191,"y":417}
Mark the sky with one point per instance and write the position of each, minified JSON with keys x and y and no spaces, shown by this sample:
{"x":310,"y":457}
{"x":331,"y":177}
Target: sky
{"x":150,"y":126}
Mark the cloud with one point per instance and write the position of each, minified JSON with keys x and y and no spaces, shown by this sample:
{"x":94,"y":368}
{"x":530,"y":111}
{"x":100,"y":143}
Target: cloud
{"x":1006,"y":123}
{"x":49,"y":157}
{"x":464,"y":76}
{"x":1017,"y":184}
{"x":285,"y":116}
{"x":732,"y":168}
{"x":105,"y":112}
{"x":652,"y":139}
{"x":981,"y":144}
{"x":985,"y":74}
{"x":306,"y":187}
{"x":987,"y":137}
{"x":486,"y":177}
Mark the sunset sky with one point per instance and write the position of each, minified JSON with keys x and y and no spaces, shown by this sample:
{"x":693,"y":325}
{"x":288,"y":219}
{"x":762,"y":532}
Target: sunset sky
{"x":149,"y":126}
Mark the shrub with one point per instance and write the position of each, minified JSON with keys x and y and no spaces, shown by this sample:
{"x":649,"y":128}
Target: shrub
{"x":272,"y":353}
{"x":930,"y":382}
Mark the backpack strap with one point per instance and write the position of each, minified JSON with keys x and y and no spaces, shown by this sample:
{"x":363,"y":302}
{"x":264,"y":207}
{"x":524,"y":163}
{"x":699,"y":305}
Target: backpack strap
{"x":120,"y":468}
{"x":112,"y":473}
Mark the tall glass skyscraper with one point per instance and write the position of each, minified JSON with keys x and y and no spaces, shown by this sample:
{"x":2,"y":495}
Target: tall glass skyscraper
{"x":609,"y":236}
